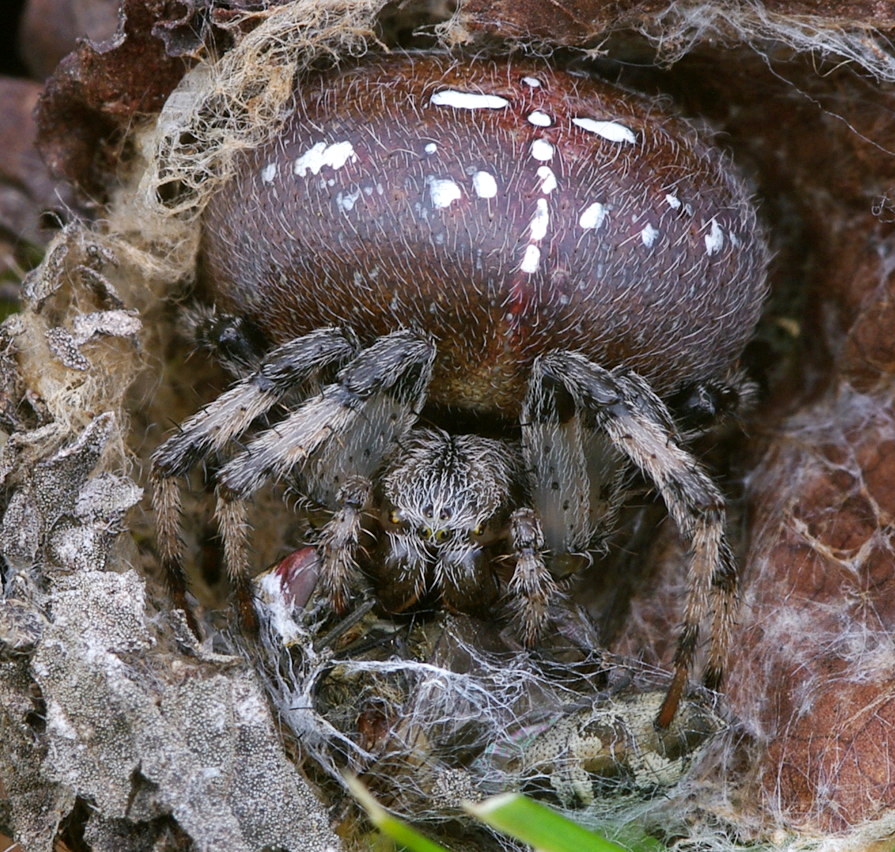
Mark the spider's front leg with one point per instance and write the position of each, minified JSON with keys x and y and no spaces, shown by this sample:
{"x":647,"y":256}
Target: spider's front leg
{"x":335,"y":441}
{"x":210,"y":430}
{"x":625,"y":409}
{"x":532,"y":587}
{"x":573,"y":476}
{"x":340,"y":539}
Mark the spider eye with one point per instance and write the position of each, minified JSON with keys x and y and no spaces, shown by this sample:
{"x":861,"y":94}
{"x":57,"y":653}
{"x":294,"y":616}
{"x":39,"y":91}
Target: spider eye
{"x":479,"y":529}
{"x":395,"y":517}
{"x":441,"y":535}
{"x":425,"y":532}
{"x":445,"y":514}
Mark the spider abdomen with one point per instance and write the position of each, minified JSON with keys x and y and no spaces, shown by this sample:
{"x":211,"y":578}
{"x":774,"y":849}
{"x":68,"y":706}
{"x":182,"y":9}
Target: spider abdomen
{"x":501,"y":207}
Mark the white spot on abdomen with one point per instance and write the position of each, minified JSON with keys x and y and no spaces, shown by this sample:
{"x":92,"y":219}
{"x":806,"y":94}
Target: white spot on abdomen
{"x":542,"y":150}
{"x":467,"y":100}
{"x":592,"y":216}
{"x":540,"y":221}
{"x":609,"y":130}
{"x":714,"y":239}
{"x":269,"y":172}
{"x":484,"y":184}
{"x":430,"y":148}
{"x":649,"y":235}
{"x":531,"y":259}
{"x":539,"y":119}
{"x":531,"y":82}
{"x":548,"y":179}
{"x":443,"y":192}
{"x":347,"y":200}
{"x":673,"y":202}
{"x":314,"y":159}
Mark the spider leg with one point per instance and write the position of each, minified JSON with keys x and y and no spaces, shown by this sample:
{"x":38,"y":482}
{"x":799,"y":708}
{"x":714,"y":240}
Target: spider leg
{"x":210,"y":429}
{"x":637,"y":422}
{"x":574,"y":476}
{"x":346,"y":429}
{"x":574,"y":471}
{"x":340,"y":538}
{"x":532,"y":587}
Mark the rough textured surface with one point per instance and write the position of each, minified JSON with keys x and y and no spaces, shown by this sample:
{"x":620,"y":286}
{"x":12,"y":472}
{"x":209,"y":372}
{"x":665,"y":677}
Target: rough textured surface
{"x":190,"y":739}
{"x":100,"y":88}
{"x":674,"y":29}
{"x":105,"y":701}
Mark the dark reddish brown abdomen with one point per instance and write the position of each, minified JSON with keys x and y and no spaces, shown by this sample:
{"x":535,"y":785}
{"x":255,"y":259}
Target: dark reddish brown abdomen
{"x":502,"y":207}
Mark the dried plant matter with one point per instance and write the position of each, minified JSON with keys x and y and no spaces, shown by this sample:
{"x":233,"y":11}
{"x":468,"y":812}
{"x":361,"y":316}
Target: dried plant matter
{"x":241,"y":101}
{"x":104,"y":701}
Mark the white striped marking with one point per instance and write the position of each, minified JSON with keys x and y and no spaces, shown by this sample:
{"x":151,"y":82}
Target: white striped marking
{"x":443,"y":192}
{"x":314,"y":159}
{"x":539,"y":119}
{"x":531,"y":259}
{"x":542,"y":150}
{"x":714,"y":239}
{"x":467,"y":100}
{"x":548,"y":179}
{"x":540,"y":221}
{"x":609,"y":130}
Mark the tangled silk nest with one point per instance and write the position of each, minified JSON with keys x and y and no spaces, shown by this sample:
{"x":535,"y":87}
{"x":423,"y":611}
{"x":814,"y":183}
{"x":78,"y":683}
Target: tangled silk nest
{"x":118,"y":725}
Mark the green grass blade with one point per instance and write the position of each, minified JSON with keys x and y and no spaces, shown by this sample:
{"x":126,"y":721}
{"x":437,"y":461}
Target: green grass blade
{"x":537,"y":825}
{"x":390,"y":825}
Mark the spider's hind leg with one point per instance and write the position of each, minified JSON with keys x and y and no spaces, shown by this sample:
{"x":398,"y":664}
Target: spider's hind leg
{"x":625,"y":409}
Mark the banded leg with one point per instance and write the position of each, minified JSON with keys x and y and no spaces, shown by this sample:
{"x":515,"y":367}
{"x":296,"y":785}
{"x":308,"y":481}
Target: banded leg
{"x":574,"y":477}
{"x":639,"y":425}
{"x":340,"y":539}
{"x":574,"y":472}
{"x":210,"y":430}
{"x":348,"y":427}
{"x":532,"y":587}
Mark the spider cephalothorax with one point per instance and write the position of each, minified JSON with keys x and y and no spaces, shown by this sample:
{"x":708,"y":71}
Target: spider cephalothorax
{"x":445,"y":502}
{"x":493,"y":241}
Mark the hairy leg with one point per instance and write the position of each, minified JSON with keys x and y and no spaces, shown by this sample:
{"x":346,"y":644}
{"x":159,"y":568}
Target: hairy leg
{"x":226,"y":419}
{"x":350,"y":424}
{"x":640,"y":426}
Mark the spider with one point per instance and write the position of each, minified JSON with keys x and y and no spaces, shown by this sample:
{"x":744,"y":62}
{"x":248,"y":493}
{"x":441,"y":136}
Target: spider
{"x":465,"y":299}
